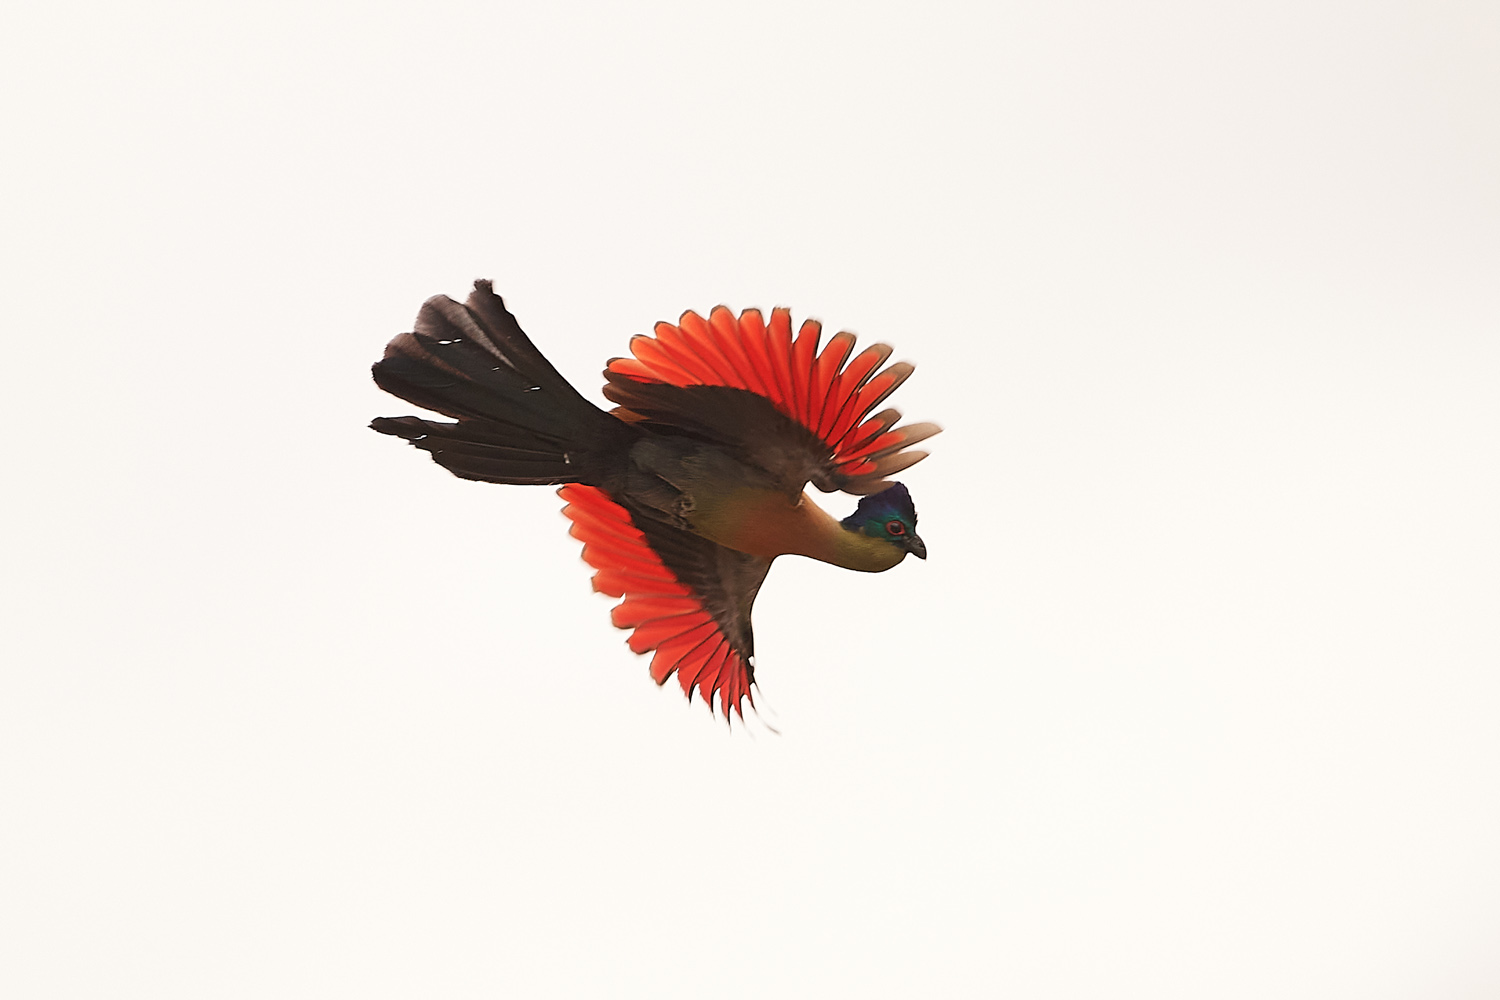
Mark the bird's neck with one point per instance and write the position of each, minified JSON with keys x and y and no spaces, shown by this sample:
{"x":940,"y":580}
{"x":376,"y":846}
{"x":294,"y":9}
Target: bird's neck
{"x":763,"y":523}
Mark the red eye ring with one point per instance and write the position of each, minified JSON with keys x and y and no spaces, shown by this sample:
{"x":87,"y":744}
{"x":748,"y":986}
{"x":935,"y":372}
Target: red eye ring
{"x":895,"y":528}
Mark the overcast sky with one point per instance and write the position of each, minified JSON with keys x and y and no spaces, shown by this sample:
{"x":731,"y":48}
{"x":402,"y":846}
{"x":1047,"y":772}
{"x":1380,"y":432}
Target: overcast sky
{"x":1197,"y":696}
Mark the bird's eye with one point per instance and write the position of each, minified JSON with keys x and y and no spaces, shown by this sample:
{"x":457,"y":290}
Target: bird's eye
{"x":895,"y":528}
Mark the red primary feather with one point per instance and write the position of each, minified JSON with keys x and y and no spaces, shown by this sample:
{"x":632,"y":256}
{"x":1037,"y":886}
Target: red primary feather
{"x":828,"y":393}
{"x":663,"y":613}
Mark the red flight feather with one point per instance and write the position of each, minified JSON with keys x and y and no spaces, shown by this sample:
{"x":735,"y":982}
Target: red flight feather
{"x":663,"y":613}
{"x":828,"y":393}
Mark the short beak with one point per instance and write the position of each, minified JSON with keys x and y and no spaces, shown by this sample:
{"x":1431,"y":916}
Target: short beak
{"x":916,"y":546}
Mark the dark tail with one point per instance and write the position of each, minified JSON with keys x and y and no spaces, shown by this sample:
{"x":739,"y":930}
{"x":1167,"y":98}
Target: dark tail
{"x":519,"y":421}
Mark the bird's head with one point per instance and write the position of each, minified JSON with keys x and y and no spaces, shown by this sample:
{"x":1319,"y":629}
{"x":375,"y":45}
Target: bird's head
{"x":888,"y":515}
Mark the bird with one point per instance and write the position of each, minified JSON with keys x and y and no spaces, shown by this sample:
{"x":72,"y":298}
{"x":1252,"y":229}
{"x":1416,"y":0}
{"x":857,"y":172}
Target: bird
{"x":686,"y":492}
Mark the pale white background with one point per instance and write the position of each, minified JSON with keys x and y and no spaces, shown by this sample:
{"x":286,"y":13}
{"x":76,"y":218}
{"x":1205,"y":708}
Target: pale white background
{"x":1198,"y":695}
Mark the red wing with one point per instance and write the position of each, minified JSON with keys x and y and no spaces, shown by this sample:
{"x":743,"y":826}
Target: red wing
{"x":827,"y":393}
{"x":695,"y":614}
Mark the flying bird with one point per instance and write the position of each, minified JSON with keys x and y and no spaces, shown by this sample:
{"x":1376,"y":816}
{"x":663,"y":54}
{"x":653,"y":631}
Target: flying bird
{"x":686,"y":492}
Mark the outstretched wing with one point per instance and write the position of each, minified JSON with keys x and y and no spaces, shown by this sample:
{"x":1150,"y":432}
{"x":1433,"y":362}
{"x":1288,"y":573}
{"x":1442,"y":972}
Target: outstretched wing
{"x":827,"y":396}
{"x":685,"y":597}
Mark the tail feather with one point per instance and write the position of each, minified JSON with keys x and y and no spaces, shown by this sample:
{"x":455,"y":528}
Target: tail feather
{"x":518,"y":420}
{"x":508,"y":340}
{"x":459,"y":381}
